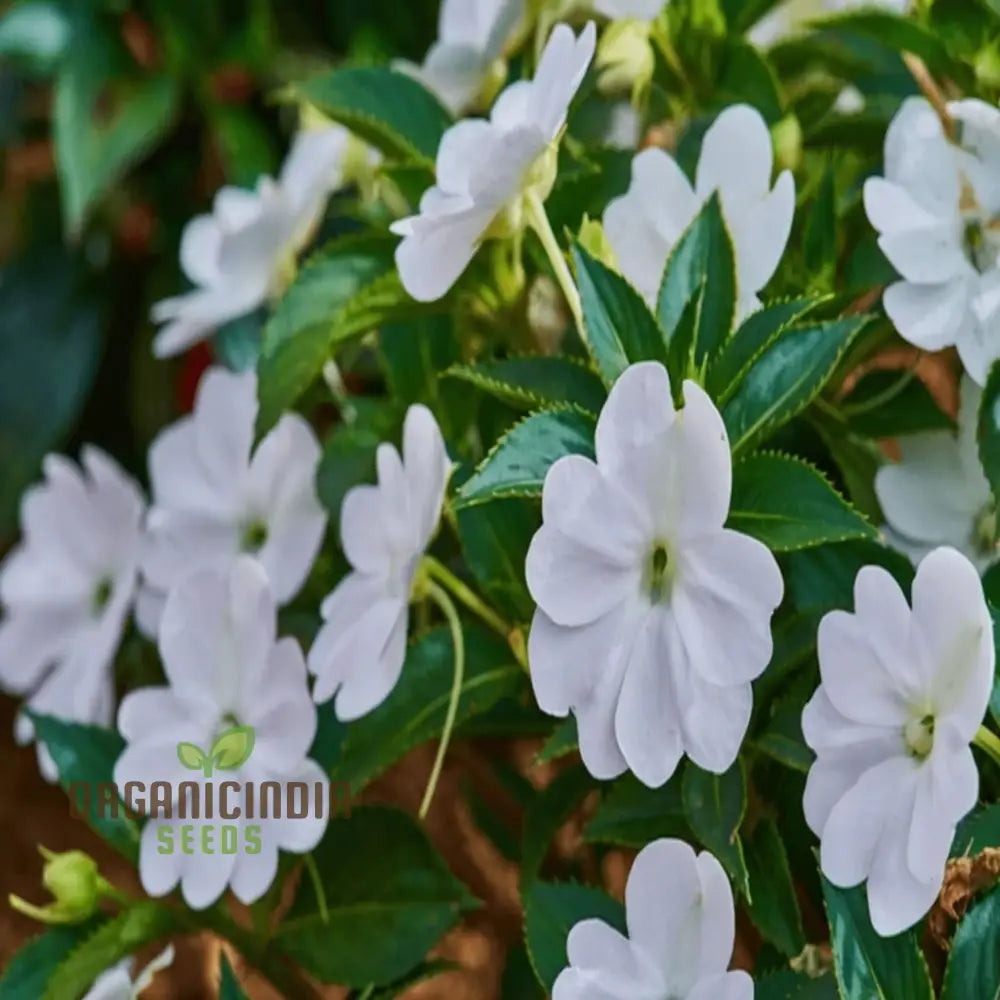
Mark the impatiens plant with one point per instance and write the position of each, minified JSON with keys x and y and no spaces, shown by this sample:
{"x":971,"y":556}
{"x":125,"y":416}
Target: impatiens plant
{"x":603,"y":410}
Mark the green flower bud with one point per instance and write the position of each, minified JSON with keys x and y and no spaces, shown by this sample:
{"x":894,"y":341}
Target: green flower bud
{"x":787,"y":138}
{"x":75,"y":884}
{"x":625,"y":60}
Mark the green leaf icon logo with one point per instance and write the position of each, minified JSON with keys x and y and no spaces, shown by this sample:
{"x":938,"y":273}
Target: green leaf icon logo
{"x":192,"y":757}
{"x":232,"y":748}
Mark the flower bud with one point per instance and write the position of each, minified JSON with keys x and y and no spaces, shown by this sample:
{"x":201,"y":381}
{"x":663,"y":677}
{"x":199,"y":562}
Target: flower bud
{"x":75,"y":884}
{"x":625,"y":60}
{"x":787,"y":138}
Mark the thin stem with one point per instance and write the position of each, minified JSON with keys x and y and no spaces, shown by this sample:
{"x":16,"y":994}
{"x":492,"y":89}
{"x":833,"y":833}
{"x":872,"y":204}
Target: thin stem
{"x":466,"y":595}
{"x":989,"y":743}
{"x":367,"y":992}
{"x":928,"y":86}
{"x":317,"y":883}
{"x":445,"y":603}
{"x":539,"y":221}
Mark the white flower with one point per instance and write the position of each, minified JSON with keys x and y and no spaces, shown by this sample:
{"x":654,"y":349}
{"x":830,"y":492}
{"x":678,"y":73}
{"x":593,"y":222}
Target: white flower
{"x":938,"y":494}
{"x":621,"y":10}
{"x":937,"y":211}
{"x":787,"y":18}
{"x":225,"y":668}
{"x":485,"y":166}
{"x":67,"y":589}
{"x":652,"y":617}
{"x":681,"y":928}
{"x":645,"y":223}
{"x":240,"y":254}
{"x":466,"y":62}
{"x":384,"y":530}
{"x":902,"y":695}
{"x":215,"y":495}
{"x":116,"y":983}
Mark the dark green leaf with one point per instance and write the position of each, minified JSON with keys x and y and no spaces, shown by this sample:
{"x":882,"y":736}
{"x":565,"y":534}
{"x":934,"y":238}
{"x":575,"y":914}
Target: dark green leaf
{"x":547,"y":813}
{"x":519,"y":982}
{"x":774,"y":908}
{"x":415,"y":354}
{"x":390,"y":110}
{"x":550,"y":911}
{"x":416,"y":709}
{"x":786,"y":378}
{"x":229,"y":985}
{"x":562,"y":741}
{"x":988,"y":429}
{"x":532,"y":382}
{"x":787,"y":504}
{"x":518,"y":462}
{"x":632,"y":815}
{"x":821,"y":231}
{"x":796,"y":986}
{"x":714,"y":805}
{"x":888,"y":404}
{"x":782,"y":738}
{"x":85,"y":756}
{"x":30,"y":969}
{"x":870,"y":967}
{"x":402,"y":987}
{"x":619,"y":327}
{"x":977,"y":832}
{"x":389,"y":898}
{"x":974,"y":963}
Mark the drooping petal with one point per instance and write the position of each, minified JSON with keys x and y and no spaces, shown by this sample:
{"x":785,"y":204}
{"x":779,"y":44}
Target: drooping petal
{"x":741,"y":177}
{"x":426,"y":465}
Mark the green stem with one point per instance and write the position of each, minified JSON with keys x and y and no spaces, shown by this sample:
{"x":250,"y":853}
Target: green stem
{"x":317,"y":882}
{"x":539,"y":222}
{"x":989,"y":743}
{"x":444,"y":602}
{"x":466,"y":595}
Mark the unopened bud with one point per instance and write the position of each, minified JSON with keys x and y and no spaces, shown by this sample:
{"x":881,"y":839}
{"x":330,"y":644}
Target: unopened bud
{"x":75,"y":884}
{"x":625,"y":60}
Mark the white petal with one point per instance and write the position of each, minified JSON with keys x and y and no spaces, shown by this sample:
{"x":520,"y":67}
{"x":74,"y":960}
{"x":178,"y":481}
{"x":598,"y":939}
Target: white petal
{"x":253,"y":874}
{"x":463,"y":152}
{"x":705,"y":463}
{"x":225,"y":414}
{"x":714,"y":720}
{"x":760,"y":231}
{"x":736,"y":156}
{"x":200,"y":244}
{"x":158,"y":872}
{"x":560,"y":72}
{"x":931,"y":255}
{"x":729,"y":986}
{"x":929,"y":316}
{"x":426,"y":465}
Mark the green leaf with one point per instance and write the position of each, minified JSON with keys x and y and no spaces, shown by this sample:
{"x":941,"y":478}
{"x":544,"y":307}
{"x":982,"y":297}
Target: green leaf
{"x":714,"y":805}
{"x":549,"y":810}
{"x":870,"y":967}
{"x":37,"y":32}
{"x":389,"y":899}
{"x":974,"y":963}
{"x":389,"y":110}
{"x":619,"y":327}
{"x":191,"y":756}
{"x":415,"y":355}
{"x":789,"y":985}
{"x":402,"y":987}
{"x":757,"y":332}
{"x":344,"y":290}
{"x":416,"y":709}
{"x":229,"y":985}
{"x":787,"y":504}
{"x":86,"y":756}
{"x":701,"y":268}
{"x":232,"y":748}
{"x":782,"y":738}
{"x":495,"y":538}
{"x":534,"y":382}
{"x":892,"y":403}
{"x":978,"y":831}
{"x":36,"y":962}
{"x":786,"y":378}
{"x":820,"y":236}
{"x":773,"y":907}
{"x":517,"y":464}
{"x":632,"y":815}
{"x":134,"y":928}
{"x":550,"y":911}
{"x":519,"y":982}
{"x":563,"y":740}
{"x":988,"y":428}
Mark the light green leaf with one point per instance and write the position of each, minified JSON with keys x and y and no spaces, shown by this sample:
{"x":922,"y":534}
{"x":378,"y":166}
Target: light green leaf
{"x":518,"y":462}
{"x":787,"y":504}
{"x":232,"y":748}
{"x":714,"y":805}
{"x":30,"y":969}
{"x":550,"y":911}
{"x":632,"y":815}
{"x":619,"y":328}
{"x":389,"y":110}
{"x":786,"y":378}
{"x":870,"y":967}
{"x":773,"y":907}
{"x":974,"y":963}
{"x":191,"y":756}
{"x":389,"y":898}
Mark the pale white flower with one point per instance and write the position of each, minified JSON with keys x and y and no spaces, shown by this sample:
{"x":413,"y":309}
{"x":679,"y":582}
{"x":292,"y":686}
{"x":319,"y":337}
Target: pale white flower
{"x":225,"y":668}
{"x":215,"y":495}
{"x":66,"y":591}
{"x":681,"y":929}
{"x":240,"y":255}
{"x":937,"y":211}
{"x":792,"y":15}
{"x":623,"y":127}
{"x":652,"y":617}
{"x":737,"y":158}
{"x":484,"y":167}
{"x":903,"y":692}
{"x":358,"y":653}
{"x":465,"y":65}
{"x":117,"y":983}
{"x":938,"y":494}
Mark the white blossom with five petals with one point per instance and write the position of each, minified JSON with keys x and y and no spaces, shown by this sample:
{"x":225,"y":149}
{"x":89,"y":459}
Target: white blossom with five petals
{"x":652,"y":617}
{"x":903,"y":693}
{"x":737,"y":159}
{"x":385,"y":529}
{"x":485,"y":166}
{"x":937,"y":212}
{"x":117,"y":983}
{"x":225,"y":668}
{"x":216,"y":496}
{"x":681,"y":928}
{"x":240,"y":254}
{"x":67,"y":590}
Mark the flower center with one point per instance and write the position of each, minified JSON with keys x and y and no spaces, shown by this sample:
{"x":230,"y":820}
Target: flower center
{"x":984,"y":530}
{"x":918,"y":734}
{"x":659,"y":574}
{"x":102,"y":594}
{"x":254,"y":537}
